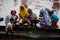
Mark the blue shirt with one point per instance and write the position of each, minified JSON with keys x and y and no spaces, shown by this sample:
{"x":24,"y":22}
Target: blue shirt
{"x":54,"y":17}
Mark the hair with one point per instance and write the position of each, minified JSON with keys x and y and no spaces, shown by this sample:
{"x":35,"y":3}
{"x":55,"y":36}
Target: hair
{"x":50,"y":12}
{"x":47,"y":9}
{"x":21,"y":7}
{"x":11,"y":19}
{"x":29,"y":10}
{"x":13,"y":11}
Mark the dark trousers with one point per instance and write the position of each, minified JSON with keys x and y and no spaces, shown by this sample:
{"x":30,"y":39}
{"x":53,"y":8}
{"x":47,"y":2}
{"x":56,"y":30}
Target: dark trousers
{"x":33,"y":22}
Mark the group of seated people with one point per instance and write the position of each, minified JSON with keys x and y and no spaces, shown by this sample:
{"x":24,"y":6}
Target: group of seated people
{"x":46,"y":19}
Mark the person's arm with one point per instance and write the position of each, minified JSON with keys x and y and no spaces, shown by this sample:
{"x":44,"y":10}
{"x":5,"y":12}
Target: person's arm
{"x":16,"y":17}
{"x":26,"y":16}
{"x":40,"y":15}
{"x":19,"y":14}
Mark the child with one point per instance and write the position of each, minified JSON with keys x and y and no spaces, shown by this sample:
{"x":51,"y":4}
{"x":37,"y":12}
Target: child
{"x":10,"y":25}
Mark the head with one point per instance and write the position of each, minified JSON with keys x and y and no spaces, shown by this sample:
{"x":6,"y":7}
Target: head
{"x":29,"y":11}
{"x":50,"y":13}
{"x":13,"y":12}
{"x":11,"y":20}
{"x":47,"y":9}
{"x":21,"y":7}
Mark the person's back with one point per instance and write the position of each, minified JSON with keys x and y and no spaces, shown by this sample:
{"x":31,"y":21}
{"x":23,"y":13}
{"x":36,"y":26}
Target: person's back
{"x":54,"y":17}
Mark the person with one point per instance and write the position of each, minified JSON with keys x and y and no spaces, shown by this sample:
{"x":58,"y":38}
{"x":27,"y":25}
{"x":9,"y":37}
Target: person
{"x":10,"y":25}
{"x":32,"y":17}
{"x":53,"y":17}
{"x":23,"y":13}
{"x":46,"y":18}
{"x":12,"y":15}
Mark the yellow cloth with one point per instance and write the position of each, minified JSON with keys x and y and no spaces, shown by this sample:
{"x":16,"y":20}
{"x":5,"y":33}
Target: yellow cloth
{"x":23,"y":13}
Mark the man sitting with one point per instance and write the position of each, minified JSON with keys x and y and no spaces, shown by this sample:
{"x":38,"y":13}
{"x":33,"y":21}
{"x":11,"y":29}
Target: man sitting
{"x":54,"y":18}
